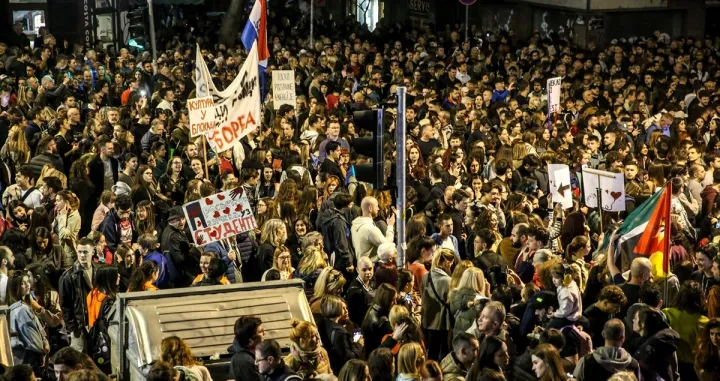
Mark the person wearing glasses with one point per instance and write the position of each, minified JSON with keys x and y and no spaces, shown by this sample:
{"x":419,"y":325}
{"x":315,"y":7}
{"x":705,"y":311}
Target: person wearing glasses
{"x":282,"y":267}
{"x":75,"y":285}
{"x":270,"y":364}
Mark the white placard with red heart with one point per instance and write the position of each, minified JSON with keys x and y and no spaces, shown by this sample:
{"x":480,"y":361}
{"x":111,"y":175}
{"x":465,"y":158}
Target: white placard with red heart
{"x":612,"y":189}
{"x":222,"y":215}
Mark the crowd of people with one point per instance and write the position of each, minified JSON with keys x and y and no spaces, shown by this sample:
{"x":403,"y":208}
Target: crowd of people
{"x":499,"y":282}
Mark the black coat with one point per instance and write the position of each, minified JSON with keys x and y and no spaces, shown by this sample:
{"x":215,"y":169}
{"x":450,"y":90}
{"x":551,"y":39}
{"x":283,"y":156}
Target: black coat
{"x":242,"y":364}
{"x":73,"y":291}
{"x":176,"y":243}
{"x":338,"y":343}
{"x":336,"y":237}
{"x":358,"y":301}
{"x":374,"y":327}
{"x":97,"y":175}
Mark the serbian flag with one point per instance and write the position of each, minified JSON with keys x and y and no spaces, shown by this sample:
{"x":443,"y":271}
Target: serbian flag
{"x":646,"y":232}
{"x":256,"y":31}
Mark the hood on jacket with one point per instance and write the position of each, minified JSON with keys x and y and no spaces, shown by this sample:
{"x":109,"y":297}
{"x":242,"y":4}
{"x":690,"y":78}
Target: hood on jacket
{"x":612,"y":359}
{"x":235,"y":347}
{"x":327,"y":216}
{"x":121,"y":188}
{"x":659,"y":345}
{"x":359,"y":222}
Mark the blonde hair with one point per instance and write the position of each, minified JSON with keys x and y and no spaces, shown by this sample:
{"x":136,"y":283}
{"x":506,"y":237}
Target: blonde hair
{"x":269,"y":231}
{"x":442,"y":255}
{"x":301,"y":330}
{"x":312,"y":260}
{"x":278,"y":252}
{"x":396,"y":312}
{"x":329,"y":282}
{"x":472,"y":279}
{"x":458,"y":273}
{"x":410,"y":359}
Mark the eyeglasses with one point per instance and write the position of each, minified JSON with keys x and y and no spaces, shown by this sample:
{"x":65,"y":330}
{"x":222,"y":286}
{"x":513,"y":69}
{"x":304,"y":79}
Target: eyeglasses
{"x":258,"y":361}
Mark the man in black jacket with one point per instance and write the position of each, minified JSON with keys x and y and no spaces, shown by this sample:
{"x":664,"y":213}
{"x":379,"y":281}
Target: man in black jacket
{"x":75,"y":285}
{"x":335,"y":229}
{"x":248,"y":334}
{"x":174,"y":241}
{"x":46,"y":154}
{"x":103,"y":168}
{"x":270,"y":363}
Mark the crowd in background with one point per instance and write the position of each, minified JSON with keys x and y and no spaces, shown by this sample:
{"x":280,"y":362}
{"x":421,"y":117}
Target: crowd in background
{"x":500,"y":282}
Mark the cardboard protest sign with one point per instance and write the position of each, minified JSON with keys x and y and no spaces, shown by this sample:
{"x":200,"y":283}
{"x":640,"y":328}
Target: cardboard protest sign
{"x":612,"y":189}
{"x":219,"y":216}
{"x":553,"y":93}
{"x":283,"y":88}
{"x":202,"y":115}
{"x":559,"y":176}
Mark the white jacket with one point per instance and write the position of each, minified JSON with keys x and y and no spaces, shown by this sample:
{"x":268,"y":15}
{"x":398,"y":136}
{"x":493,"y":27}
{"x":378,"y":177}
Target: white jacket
{"x":366,"y":237}
{"x":570,"y":302}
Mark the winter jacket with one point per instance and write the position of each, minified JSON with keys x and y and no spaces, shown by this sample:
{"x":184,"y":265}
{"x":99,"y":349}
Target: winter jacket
{"x":167,"y":272}
{"x":366,"y":237}
{"x":603,"y":362}
{"x":242,"y":363}
{"x":282,"y":373}
{"x":336,"y":236}
{"x":98,"y":216}
{"x":176,"y":244}
{"x":220,"y":249}
{"x":452,"y":369}
{"x":110,"y":227}
{"x":339,"y":344}
{"x":434,"y":313}
{"x":657,"y":356}
{"x":690,"y":328}
{"x":375,"y":325}
{"x":459,"y":300}
{"x":306,"y":369}
{"x":73,"y":291}
{"x":38,"y":162}
{"x":67,"y":228}
{"x":358,"y":301}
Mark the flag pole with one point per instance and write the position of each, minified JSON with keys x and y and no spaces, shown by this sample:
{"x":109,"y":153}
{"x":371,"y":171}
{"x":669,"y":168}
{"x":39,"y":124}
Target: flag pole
{"x":668,"y":238}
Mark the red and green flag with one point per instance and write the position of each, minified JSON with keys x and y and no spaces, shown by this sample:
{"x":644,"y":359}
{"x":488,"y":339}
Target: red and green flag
{"x":645,"y":232}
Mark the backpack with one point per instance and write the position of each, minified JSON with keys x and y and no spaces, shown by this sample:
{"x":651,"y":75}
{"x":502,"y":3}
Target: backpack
{"x":99,"y":340}
{"x":585,"y":345}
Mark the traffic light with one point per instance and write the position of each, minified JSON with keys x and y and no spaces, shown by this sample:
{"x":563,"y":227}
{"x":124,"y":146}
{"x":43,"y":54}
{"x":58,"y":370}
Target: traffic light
{"x":136,"y":20}
{"x":370,"y":146}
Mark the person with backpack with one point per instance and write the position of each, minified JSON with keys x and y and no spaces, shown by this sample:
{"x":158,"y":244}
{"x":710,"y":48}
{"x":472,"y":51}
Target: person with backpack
{"x":167,"y":272}
{"x":608,"y":359}
{"x":437,"y":320}
{"x":101,"y":308}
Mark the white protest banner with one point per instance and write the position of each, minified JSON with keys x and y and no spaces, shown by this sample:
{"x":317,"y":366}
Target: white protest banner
{"x":202,"y":115}
{"x":612,"y":189}
{"x":559,"y":176}
{"x":237,"y":108}
{"x":553,"y":94}
{"x":219,"y":216}
{"x":283,"y":88}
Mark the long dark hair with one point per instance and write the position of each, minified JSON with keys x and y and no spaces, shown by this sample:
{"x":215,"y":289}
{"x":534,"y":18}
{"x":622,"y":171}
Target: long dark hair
{"x":141,"y":275}
{"x":106,"y":280}
{"x":486,"y":355}
{"x":42,"y":283}
{"x":707,"y":352}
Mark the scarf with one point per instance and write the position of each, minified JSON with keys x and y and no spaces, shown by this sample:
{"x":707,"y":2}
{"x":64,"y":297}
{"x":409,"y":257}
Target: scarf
{"x":307,"y":359}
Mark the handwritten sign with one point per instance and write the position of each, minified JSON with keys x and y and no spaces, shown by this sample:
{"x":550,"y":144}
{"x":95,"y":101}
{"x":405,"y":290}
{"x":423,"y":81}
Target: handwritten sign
{"x":237,"y":108}
{"x":202,"y":115}
{"x":612,"y":189}
{"x":219,"y":216}
{"x":553,"y":94}
{"x":559,"y":176}
{"x":283,"y":88}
